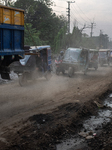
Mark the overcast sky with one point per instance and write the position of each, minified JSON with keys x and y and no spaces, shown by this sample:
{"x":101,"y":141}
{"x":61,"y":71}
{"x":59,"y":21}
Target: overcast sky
{"x":86,"y":12}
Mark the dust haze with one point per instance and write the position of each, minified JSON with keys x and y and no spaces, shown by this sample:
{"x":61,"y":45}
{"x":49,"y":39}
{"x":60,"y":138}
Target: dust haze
{"x":44,"y":96}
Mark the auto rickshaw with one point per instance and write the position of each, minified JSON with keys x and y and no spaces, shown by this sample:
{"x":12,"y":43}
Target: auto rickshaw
{"x":110,"y":56}
{"x":104,"y":56}
{"x":36,"y":63}
{"x":93,"y":59}
{"x":75,"y":59}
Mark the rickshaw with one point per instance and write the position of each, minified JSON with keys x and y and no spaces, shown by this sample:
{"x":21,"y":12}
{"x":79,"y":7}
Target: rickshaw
{"x":36,"y":63}
{"x":104,"y":56}
{"x":110,"y":56}
{"x":93,"y":59}
{"x":75,"y":59}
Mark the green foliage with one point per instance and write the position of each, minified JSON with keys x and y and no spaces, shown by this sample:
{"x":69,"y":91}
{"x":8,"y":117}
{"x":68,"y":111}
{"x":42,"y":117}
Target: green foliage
{"x":31,"y":36}
{"x":43,"y":20}
{"x":103,"y":41}
{"x":76,"y":37}
{"x":6,"y":2}
{"x":89,"y":42}
{"x":59,"y":41}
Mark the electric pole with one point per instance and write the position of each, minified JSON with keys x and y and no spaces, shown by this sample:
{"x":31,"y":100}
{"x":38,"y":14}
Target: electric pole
{"x":6,"y":3}
{"x":92,"y":25}
{"x":68,"y":24}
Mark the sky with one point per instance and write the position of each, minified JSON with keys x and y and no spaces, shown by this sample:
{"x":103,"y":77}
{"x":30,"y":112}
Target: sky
{"x":98,"y":12}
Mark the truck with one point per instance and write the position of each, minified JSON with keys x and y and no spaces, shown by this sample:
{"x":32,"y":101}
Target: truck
{"x":11,"y":38}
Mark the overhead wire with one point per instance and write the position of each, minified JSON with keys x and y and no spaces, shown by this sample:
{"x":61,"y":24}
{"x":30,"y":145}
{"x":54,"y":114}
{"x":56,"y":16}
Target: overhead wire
{"x":58,"y":6}
{"x":97,"y":28}
{"x":82,"y":16}
{"x":75,"y":18}
{"x":83,"y":12}
{"x":57,"y":11}
{"x":75,"y":9}
{"x":72,"y":17}
{"x":87,"y":20}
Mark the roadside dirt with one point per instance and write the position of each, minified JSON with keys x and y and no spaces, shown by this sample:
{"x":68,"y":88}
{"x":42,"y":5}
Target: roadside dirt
{"x":36,"y":117}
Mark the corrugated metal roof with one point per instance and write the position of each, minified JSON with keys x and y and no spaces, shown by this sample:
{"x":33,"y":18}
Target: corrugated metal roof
{"x":7,"y":7}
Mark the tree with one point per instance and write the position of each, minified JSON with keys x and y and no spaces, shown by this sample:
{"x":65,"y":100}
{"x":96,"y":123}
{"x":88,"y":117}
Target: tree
{"x":59,"y":41}
{"x":6,"y":2}
{"x":103,"y":40}
{"x":42,"y":18}
{"x":31,"y":36}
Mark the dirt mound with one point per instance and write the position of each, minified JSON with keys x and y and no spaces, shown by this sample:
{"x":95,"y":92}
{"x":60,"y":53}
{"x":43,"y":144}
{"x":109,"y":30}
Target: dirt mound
{"x":44,"y":131}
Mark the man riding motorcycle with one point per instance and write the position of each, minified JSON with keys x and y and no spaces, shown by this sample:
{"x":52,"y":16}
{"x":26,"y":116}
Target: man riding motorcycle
{"x":58,"y":63}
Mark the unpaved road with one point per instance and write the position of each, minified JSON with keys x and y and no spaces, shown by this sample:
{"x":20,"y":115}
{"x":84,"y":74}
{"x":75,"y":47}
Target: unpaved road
{"x":19,"y":103}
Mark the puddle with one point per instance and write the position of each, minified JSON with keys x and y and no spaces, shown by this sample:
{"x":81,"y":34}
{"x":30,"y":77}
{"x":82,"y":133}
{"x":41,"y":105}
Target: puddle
{"x":110,"y":95}
{"x":108,"y":101}
{"x":93,"y":124}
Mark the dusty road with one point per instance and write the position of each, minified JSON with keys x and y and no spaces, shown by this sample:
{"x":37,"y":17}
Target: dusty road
{"x":43,"y":96}
{"x":18,"y":103}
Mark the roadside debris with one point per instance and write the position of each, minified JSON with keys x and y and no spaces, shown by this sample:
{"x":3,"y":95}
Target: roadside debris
{"x":99,"y":105}
{"x":83,"y":134}
{"x":87,"y":135}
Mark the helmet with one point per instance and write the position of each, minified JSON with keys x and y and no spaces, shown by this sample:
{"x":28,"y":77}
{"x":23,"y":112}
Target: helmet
{"x":61,"y":53}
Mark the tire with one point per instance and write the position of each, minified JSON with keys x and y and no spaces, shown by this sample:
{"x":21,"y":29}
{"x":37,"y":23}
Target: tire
{"x":63,"y":71}
{"x":57,"y":71}
{"x":85,"y":71}
{"x":5,"y":76}
{"x":48,"y":75}
{"x":108,"y":63}
{"x":101,"y":65}
{"x":96,"y":67}
{"x":70,"y":72}
{"x":22,"y":79}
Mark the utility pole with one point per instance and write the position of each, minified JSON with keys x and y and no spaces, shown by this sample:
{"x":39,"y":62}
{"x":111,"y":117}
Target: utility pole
{"x":100,"y":44}
{"x":68,"y":24}
{"x":92,"y":25}
{"x":6,"y":2}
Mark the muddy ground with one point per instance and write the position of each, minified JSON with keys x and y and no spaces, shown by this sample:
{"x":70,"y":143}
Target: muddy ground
{"x":39,"y":115}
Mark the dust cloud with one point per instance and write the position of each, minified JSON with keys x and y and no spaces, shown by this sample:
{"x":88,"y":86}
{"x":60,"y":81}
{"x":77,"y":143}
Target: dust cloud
{"x":36,"y":97}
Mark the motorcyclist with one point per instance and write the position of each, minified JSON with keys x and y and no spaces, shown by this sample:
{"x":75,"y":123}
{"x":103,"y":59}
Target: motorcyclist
{"x":58,"y":63}
{"x":61,"y":55}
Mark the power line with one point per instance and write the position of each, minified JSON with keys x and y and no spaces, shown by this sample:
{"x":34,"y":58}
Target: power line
{"x":83,"y":12}
{"x":58,"y":11}
{"x":74,"y":8}
{"x":60,"y":7}
{"x":75,"y":18}
{"x":90,"y":26}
